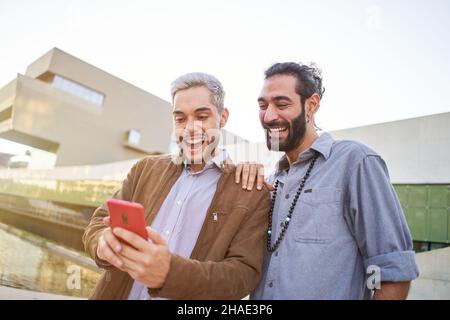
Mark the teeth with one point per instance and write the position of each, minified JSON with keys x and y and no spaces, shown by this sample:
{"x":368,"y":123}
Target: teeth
{"x":194,"y":141}
{"x":277,"y":129}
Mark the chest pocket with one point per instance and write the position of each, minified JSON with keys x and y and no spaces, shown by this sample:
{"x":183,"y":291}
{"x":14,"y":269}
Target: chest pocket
{"x":318,"y":218}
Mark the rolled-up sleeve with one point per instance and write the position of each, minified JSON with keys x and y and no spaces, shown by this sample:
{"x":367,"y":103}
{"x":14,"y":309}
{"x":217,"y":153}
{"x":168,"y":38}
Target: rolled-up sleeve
{"x":378,"y":222}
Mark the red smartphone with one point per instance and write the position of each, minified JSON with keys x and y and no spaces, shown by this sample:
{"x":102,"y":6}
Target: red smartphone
{"x":127,"y":215}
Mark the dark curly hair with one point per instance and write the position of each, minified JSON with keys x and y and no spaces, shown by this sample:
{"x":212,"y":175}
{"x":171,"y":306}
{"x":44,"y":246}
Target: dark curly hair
{"x":309,"y":77}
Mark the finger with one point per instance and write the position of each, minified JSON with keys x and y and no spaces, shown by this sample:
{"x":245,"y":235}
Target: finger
{"x":237,"y":174}
{"x":107,"y":221}
{"x":269,"y":187}
{"x":112,"y":241}
{"x":245,"y":173}
{"x":105,"y":253}
{"x":252,"y":176}
{"x":130,"y":253}
{"x":132,"y":238}
{"x":260,"y":181}
{"x":155,"y":237}
{"x":129,"y":265}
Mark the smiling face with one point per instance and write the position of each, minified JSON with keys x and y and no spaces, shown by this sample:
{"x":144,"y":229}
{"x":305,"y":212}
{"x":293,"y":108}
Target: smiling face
{"x":197,"y":124}
{"x":281,"y":113}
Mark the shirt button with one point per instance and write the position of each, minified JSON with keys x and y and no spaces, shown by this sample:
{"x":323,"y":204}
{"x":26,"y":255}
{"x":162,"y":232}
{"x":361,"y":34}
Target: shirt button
{"x":271,"y":285}
{"x":276,"y":254}
{"x":179,"y":202}
{"x":286,"y":196}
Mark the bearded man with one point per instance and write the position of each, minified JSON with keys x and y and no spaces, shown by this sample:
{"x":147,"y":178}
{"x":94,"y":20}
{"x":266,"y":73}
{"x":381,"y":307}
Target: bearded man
{"x":336,"y":228}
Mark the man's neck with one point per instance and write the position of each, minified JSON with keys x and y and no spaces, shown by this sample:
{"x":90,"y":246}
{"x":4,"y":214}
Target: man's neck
{"x":197,"y":167}
{"x":307,"y":141}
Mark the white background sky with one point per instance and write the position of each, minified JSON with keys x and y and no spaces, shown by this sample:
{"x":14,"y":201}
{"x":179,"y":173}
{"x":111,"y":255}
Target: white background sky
{"x":381,"y":60}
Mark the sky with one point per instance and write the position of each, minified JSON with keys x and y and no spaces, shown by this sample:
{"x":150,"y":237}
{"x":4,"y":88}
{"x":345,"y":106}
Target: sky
{"x":381,"y":60}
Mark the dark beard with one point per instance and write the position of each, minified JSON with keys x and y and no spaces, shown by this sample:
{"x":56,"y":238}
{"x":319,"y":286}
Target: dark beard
{"x":296,"y":134}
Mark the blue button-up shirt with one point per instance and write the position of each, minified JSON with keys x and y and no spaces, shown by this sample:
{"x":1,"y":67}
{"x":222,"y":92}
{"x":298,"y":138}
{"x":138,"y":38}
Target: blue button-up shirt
{"x":181,"y":216}
{"x":347,"y":219}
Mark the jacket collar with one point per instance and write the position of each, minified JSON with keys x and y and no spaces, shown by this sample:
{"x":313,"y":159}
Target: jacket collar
{"x":222,"y":160}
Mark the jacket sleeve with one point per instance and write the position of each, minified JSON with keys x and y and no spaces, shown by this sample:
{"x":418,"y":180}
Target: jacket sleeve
{"x":232,"y":278}
{"x":96,"y":226}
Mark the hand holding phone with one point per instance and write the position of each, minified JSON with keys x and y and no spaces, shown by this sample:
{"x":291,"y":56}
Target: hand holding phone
{"x":127,"y":215}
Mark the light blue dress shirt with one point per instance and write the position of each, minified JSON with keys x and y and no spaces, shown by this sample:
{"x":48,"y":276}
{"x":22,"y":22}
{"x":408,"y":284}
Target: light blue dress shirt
{"x":347,"y":218}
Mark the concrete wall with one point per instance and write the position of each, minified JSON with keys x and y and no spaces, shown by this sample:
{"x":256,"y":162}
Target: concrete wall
{"x":416,"y":150}
{"x":434,"y":280}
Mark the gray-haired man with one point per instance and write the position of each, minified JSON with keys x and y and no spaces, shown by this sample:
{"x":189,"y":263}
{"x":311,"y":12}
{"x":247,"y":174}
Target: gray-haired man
{"x":207,"y":234}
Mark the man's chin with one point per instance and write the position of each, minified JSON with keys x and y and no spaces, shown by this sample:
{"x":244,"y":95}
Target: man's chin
{"x":276,"y":145}
{"x":199,"y":156}
{"x":195,"y":158}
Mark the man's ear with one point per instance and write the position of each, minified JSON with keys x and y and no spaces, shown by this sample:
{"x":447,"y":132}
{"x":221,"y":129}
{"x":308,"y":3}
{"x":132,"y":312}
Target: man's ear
{"x":224,"y":117}
{"x":313,"y":104}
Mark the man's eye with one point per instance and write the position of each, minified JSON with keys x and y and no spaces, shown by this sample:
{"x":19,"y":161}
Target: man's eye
{"x":281,"y":105}
{"x":263,"y":106}
{"x":202,"y":118}
{"x":179,"y":120}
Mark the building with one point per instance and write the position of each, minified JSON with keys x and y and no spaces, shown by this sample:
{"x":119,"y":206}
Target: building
{"x":417,"y":152}
{"x":82,"y":114}
{"x":4,"y":159}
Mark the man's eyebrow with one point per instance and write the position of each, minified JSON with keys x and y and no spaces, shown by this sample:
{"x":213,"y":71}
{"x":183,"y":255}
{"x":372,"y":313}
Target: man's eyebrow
{"x":199,"y":109}
{"x":203,"y":109}
{"x":278,"y":98}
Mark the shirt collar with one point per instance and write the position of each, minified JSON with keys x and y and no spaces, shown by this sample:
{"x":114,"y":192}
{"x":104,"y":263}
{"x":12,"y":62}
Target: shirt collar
{"x":221,"y":160}
{"x":322,"y":145}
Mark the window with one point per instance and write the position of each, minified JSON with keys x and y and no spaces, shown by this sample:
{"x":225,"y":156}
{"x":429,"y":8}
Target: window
{"x":134,"y":137}
{"x":78,"y":90}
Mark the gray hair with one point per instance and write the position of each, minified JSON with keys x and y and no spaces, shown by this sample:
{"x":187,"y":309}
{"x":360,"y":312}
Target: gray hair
{"x":197,"y":79}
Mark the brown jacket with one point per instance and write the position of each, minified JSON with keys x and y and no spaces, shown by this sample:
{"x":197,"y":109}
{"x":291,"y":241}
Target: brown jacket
{"x":226,"y":261}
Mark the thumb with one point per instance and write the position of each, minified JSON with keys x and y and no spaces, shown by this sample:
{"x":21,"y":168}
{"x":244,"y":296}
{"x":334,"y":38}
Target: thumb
{"x":269,"y":186}
{"x":155,"y":237}
{"x":107,"y":221}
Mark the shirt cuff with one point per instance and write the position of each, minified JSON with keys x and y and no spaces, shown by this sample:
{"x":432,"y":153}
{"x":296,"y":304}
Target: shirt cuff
{"x":395,"y":266}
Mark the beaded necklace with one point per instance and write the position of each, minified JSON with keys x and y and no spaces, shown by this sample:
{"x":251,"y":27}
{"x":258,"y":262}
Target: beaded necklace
{"x":271,"y":248}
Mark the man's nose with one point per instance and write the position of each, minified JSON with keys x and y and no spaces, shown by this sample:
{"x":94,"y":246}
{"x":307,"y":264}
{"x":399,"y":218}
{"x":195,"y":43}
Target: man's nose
{"x":271,"y":114}
{"x":193,"y":127}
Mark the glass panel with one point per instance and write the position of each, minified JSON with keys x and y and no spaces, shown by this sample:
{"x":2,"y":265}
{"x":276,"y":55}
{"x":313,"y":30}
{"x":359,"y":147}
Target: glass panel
{"x":438,"y":225}
{"x":417,"y":222}
{"x":439,"y":196}
{"x":417,"y":196}
{"x":78,"y":90}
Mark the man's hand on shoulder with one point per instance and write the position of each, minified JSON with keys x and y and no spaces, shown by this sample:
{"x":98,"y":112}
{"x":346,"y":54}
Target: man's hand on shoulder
{"x":249,"y":173}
